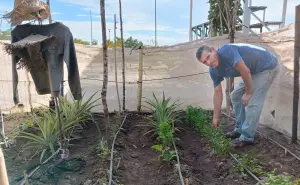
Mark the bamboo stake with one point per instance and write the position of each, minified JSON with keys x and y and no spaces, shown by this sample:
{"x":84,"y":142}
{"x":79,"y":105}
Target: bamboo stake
{"x":116,"y":67}
{"x":3,"y":172}
{"x":140,"y":81}
{"x":123,"y":57}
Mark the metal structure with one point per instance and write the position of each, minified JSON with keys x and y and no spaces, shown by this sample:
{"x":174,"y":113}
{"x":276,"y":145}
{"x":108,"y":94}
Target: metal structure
{"x":202,"y":30}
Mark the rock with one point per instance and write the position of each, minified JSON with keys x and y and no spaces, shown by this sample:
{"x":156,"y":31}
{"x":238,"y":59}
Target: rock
{"x":134,"y":155}
{"x":88,"y":182}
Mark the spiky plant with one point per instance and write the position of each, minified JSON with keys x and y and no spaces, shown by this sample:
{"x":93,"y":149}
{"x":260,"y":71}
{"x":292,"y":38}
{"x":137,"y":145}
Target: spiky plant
{"x":162,"y":112}
{"x":47,"y":134}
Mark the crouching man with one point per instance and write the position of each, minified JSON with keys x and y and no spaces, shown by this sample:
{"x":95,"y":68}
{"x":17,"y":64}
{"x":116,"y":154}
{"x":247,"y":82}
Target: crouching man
{"x":257,"y":67}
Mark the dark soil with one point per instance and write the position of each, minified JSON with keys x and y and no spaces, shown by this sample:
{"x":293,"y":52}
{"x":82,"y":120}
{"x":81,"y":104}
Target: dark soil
{"x":270,"y":154}
{"x":139,"y":163}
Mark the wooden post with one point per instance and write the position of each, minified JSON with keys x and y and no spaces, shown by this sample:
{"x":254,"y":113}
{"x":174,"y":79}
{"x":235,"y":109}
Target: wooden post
{"x":3,"y":172}
{"x":123,"y":55}
{"x":116,"y":67}
{"x":296,"y":74}
{"x":140,"y":81}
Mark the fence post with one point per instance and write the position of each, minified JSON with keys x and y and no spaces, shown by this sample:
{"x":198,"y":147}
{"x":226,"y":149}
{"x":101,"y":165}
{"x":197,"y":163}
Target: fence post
{"x":296,"y":74}
{"x":3,"y":172}
{"x":140,"y":81}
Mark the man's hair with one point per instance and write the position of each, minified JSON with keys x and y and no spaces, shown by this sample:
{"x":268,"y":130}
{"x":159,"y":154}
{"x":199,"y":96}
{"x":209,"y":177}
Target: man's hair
{"x":201,"y":49}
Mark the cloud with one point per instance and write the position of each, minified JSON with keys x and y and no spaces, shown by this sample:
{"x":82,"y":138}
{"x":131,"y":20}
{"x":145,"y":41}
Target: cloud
{"x":56,"y":13}
{"x":85,"y":34}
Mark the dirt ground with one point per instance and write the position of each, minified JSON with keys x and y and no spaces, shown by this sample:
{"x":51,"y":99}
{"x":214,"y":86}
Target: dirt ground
{"x":135,"y":163}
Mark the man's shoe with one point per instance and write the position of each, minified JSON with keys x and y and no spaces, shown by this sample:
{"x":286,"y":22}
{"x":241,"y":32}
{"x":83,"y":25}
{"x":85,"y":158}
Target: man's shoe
{"x":233,"y":134}
{"x":237,"y":143}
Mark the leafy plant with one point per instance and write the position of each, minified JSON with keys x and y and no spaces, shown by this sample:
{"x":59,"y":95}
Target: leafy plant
{"x":273,"y":179}
{"x":103,"y":149}
{"x":47,"y":133}
{"x":162,"y":121}
{"x":250,"y":161}
{"x":200,"y":120}
{"x":163,"y":112}
{"x":219,"y":143}
{"x":166,"y":154}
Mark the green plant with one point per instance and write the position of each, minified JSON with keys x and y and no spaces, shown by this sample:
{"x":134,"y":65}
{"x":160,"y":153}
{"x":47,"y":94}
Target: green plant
{"x":47,"y":133}
{"x":162,"y":121}
{"x":163,"y":112}
{"x":103,"y":150}
{"x":166,"y":153}
{"x":273,"y":179}
{"x":219,"y":143}
{"x":198,"y":118}
{"x":201,"y":121}
{"x":250,"y":161}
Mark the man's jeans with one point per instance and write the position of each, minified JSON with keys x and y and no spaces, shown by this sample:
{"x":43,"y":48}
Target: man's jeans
{"x":248,"y":117}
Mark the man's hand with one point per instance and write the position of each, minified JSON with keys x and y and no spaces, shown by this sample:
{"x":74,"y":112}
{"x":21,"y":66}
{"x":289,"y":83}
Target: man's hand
{"x":215,"y":123}
{"x":245,"y":99}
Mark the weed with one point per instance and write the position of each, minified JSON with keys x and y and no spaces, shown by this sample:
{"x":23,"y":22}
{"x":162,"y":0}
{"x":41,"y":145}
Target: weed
{"x":273,"y":179}
{"x":103,"y":150}
{"x":250,"y":161}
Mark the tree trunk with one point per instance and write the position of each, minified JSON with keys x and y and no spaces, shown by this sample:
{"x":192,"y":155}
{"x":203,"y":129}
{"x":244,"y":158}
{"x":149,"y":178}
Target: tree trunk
{"x":231,"y":23}
{"x":123,"y":57}
{"x":105,"y":61}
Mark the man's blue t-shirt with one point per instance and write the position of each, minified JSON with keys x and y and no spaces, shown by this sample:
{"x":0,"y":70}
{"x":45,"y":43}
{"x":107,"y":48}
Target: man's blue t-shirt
{"x":257,"y":59}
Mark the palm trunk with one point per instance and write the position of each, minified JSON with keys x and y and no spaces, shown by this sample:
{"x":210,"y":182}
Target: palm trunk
{"x":105,"y":61}
{"x":123,"y":57}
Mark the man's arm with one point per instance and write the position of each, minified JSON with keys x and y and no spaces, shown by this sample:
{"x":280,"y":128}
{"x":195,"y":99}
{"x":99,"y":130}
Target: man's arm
{"x":217,"y":100}
{"x":246,"y":76}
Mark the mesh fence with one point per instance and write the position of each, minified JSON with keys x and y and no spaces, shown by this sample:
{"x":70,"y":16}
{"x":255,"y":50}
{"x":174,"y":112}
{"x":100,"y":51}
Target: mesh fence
{"x":171,"y":70}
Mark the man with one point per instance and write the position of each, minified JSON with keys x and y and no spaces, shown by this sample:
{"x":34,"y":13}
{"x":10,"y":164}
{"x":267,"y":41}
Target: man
{"x":257,"y":67}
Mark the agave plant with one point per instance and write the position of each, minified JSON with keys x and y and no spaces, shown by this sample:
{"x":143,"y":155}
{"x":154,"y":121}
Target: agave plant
{"x":48,"y":133}
{"x":163,"y":112}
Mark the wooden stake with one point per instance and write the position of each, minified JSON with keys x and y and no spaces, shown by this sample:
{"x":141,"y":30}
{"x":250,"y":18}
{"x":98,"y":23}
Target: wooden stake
{"x":29,"y":91}
{"x":140,"y":81}
{"x":296,"y":74}
{"x":116,"y":67}
{"x":105,"y":60}
{"x":3,"y":172}
{"x":123,"y":56}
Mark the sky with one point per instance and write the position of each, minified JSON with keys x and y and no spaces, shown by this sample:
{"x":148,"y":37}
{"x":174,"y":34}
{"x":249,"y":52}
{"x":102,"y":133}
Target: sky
{"x":139,"y":17}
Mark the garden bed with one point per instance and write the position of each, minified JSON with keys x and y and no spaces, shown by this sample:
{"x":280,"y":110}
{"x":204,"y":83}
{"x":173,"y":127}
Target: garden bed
{"x":203,"y":154}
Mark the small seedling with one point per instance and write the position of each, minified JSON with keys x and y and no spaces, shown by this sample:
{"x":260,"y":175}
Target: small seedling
{"x":166,"y":155}
{"x":273,"y":179}
{"x":249,"y":161}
